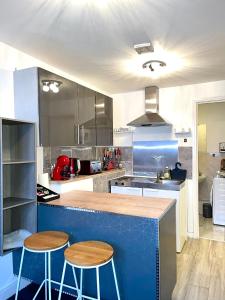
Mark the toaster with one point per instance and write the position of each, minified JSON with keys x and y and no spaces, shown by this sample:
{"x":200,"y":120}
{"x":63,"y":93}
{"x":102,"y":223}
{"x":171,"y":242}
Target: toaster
{"x":88,"y":167}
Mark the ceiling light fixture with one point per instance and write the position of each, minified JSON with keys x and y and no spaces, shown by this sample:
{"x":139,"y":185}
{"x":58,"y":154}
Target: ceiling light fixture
{"x":51,"y":85}
{"x":149,"y":64}
{"x":133,"y":66}
{"x":144,"y":48}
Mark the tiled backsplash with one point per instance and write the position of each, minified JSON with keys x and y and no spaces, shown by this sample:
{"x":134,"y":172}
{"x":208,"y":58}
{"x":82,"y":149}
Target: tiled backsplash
{"x":96,"y":153}
{"x":83,"y":153}
{"x":185,"y":157}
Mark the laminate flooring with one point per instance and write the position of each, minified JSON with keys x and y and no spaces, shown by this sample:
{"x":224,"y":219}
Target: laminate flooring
{"x":207,"y":230}
{"x":201,"y":271}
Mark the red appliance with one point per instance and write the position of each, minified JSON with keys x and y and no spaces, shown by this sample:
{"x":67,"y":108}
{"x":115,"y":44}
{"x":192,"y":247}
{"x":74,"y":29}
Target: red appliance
{"x":74,"y":166}
{"x":61,"y":170}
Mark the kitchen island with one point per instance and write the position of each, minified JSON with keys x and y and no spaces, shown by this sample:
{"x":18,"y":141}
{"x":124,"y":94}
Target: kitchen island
{"x":140,"y":229}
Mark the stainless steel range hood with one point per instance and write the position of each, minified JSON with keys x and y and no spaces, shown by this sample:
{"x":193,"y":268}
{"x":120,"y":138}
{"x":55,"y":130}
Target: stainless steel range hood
{"x":151,"y":116}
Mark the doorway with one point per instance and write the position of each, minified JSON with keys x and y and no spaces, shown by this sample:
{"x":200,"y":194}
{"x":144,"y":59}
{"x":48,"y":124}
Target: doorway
{"x":210,"y":136}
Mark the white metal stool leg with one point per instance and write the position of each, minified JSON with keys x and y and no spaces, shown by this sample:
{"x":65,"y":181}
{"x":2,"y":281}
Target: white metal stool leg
{"x":74,"y":274}
{"x":81,"y":285}
{"x":62,"y":280}
{"x":75,"y":279}
{"x":19,"y":275}
{"x":40,"y":287}
{"x":98,"y":284}
{"x":49,"y":276}
{"x":46,"y":276}
{"x":115,"y":279}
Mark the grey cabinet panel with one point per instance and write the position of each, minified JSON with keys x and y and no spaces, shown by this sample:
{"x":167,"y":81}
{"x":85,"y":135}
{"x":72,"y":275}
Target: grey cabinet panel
{"x":17,"y":178}
{"x":57,"y":112}
{"x":104,"y":120}
{"x":75,"y":115}
{"x":86,"y":116}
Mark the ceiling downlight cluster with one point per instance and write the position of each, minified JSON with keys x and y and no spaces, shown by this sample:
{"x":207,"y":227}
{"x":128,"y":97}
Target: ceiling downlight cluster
{"x":51,"y":86}
{"x":146,"y":48}
{"x":150,"y":64}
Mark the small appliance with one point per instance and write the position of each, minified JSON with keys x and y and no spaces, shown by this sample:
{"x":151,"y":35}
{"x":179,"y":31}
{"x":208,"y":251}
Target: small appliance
{"x":74,"y":166}
{"x":61,"y":170}
{"x":88,"y":167}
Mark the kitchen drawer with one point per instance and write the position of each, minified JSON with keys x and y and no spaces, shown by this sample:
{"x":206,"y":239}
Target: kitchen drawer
{"x":126,"y":190}
{"x":160,"y":193}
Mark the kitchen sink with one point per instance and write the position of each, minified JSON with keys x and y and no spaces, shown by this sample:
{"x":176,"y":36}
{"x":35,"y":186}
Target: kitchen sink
{"x":147,"y":182}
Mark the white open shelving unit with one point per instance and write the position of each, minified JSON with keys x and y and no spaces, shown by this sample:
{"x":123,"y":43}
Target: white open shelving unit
{"x":18,"y":205}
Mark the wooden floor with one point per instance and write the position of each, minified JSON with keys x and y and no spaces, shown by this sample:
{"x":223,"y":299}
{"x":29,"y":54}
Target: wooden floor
{"x":201,"y":271}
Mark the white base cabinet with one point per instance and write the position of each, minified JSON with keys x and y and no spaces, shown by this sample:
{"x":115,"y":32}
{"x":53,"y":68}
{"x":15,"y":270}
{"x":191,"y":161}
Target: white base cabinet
{"x":181,"y":211}
{"x":126,"y":190}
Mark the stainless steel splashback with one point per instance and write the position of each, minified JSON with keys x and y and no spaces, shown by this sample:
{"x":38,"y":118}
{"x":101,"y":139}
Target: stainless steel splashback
{"x":150,"y":157}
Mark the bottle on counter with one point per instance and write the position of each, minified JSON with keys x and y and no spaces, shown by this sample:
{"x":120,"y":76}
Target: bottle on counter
{"x":166,"y":173}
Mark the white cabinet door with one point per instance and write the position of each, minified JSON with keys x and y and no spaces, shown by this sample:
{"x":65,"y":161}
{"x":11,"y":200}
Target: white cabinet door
{"x":160,"y":193}
{"x":181,"y":211}
{"x":72,"y":185}
{"x":219,"y":201}
{"x":126,"y":190}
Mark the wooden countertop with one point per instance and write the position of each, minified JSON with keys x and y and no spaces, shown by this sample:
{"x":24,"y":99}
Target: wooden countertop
{"x":115,"y":203}
{"x":82,"y":177}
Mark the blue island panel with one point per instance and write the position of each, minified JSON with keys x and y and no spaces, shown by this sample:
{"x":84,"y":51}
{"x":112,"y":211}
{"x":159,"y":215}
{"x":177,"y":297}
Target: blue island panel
{"x":134,"y":239}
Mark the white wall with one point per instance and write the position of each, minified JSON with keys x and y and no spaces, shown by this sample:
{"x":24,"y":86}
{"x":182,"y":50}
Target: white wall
{"x":6,"y":94}
{"x":177,"y":106}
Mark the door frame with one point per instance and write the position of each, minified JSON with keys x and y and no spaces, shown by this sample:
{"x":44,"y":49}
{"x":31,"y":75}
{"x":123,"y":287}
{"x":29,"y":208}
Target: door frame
{"x":195,"y":169}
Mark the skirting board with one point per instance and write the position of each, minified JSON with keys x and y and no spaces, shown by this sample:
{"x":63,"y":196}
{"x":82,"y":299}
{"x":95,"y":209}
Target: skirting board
{"x":10,"y":290}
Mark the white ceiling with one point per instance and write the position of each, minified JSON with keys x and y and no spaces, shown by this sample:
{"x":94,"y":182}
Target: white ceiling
{"x":93,"y":39}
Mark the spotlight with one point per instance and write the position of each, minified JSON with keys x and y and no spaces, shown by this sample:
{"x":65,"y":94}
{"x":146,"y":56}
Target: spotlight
{"x":51,"y":85}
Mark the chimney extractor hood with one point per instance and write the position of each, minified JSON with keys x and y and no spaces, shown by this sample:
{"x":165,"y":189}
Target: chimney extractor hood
{"x":151,"y":116}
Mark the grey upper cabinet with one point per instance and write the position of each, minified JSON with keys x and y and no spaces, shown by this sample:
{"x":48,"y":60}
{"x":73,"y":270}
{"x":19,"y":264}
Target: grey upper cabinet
{"x":76,"y":115}
{"x":58,"y":112}
{"x":104,"y":120}
{"x":86,"y":128}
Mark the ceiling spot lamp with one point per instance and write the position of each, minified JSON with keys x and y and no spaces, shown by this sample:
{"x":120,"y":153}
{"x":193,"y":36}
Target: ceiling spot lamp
{"x":51,"y":85}
{"x":149,"y":64}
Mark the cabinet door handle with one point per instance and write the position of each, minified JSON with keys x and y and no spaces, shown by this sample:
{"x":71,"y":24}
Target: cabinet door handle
{"x":82,"y":135}
{"x":78,"y":134}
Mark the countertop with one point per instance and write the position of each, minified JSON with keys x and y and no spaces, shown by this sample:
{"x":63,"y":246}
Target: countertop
{"x":82,"y":177}
{"x":137,"y":206}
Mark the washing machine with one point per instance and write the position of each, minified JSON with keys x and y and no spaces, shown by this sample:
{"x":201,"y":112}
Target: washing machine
{"x":219,"y":201}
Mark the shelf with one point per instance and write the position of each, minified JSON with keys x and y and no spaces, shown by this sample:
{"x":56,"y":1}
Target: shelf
{"x":14,"y":162}
{"x":14,"y":202}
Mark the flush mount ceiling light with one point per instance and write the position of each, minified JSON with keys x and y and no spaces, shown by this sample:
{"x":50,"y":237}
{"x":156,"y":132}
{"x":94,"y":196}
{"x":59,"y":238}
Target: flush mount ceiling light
{"x":161,"y":60}
{"x":51,"y":85}
{"x":144,"y":48}
{"x":149,"y":64}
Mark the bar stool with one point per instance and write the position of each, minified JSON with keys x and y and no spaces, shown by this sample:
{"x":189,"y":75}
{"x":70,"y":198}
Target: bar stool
{"x":45,"y":242}
{"x":89,"y":255}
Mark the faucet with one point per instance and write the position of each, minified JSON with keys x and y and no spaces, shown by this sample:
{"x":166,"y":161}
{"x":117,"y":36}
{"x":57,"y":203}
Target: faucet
{"x":158,"y":177}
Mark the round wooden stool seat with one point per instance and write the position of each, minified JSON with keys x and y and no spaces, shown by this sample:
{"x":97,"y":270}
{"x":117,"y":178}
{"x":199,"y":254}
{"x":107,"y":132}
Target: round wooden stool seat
{"x":46,"y":240}
{"x":89,"y":253}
